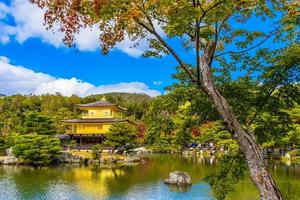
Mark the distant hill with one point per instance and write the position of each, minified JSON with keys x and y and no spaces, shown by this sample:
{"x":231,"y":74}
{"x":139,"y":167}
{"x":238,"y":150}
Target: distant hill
{"x":136,"y":104}
{"x":119,"y":97}
{"x":2,"y":95}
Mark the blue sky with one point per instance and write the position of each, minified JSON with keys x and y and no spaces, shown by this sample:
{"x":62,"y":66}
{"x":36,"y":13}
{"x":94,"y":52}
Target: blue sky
{"x":34,"y":60}
{"x":24,"y":43}
{"x":89,"y":66}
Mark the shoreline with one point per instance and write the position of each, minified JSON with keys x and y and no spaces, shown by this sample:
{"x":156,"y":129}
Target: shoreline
{"x":76,"y":157}
{"x":108,"y":159}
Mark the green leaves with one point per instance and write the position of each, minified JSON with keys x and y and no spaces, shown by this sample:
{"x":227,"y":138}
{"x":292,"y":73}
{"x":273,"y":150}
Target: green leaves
{"x":121,"y":135}
{"x":156,"y":49}
{"x":231,"y":170}
{"x":36,"y":123}
{"x":96,"y":152}
{"x":2,"y":144}
{"x":36,"y":149}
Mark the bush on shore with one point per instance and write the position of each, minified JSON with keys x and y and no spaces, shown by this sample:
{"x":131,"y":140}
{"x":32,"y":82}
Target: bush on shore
{"x":36,"y":149}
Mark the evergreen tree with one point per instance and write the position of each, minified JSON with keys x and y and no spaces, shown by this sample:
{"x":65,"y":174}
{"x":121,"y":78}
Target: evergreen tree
{"x":37,"y":123}
{"x":36,"y":149}
{"x":183,"y":134}
{"x":121,"y":135}
{"x":2,"y":144}
{"x":96,"y":152}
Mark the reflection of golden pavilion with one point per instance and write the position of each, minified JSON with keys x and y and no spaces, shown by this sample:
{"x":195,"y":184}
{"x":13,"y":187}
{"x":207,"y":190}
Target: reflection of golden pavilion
{"x":95,"y":182}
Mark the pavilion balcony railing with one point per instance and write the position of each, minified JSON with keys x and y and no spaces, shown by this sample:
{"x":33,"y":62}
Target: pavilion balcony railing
{"x":87,"y":115}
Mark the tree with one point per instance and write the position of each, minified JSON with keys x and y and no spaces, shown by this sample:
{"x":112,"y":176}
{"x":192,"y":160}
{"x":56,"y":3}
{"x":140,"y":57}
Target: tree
{"x":2,"y":144}
{"x":37,"y":149}
{"x":214,"y":30}
{"x":96,"y":152}
{"x":229,"y":173}
{"x":153,"y":133}
{"x":184,"y":134}
{"x":183,"y":123}
{"x":36,"y":123}
{"x":292,"y":138}
{"x":121,"y":135}
{"x":214,"y":132}
{"x":158,"y":119}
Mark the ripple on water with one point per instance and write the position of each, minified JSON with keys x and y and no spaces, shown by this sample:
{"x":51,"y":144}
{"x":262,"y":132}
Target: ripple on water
{"x":8,"y":189}
{"x":160,"y":191}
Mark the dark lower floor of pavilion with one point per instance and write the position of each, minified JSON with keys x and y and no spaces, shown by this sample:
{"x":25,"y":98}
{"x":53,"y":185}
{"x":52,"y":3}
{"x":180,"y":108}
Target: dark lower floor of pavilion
{"x":83,"y":141}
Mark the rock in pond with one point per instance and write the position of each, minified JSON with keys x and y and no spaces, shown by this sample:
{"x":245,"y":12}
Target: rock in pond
{"x":141,"y":150}
{"x":67,"y":157}
{"x":179,"y":178}
{"x":10,"y":160}
{"x":132,"y":159}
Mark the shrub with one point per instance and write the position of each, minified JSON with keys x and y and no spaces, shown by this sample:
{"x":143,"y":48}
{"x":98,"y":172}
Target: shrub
{"x":295,"y":152}
{"x":36,"y":149}
{"x":121,"y":135}
{"x":2,"y":145}
{"x":96,"y":152}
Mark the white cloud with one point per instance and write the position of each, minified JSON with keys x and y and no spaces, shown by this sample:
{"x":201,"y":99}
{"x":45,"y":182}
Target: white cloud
{"x":88,"y":39}
{"x":127,"y":47}
{"x":4,"y":10}
{"x":18,"y":79}
{"x":29,"y":20}
{"x":29,"y":24}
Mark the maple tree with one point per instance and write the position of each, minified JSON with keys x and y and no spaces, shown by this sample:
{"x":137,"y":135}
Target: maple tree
{"x":212,"y":31}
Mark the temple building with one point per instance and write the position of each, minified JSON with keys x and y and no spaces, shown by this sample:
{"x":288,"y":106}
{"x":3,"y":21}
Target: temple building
{"x":96,"y":119}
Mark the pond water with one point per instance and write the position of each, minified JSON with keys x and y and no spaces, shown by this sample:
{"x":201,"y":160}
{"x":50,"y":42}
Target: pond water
{"x":141,"y":182}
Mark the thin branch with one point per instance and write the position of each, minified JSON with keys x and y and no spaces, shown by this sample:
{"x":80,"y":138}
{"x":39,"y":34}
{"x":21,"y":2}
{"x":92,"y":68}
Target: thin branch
{"x":217,"y":33}
{"x":197,"y":41}
{"x":223,"y":22}
{"x":253,"y":47}
{"x":209,"y":9}
{"x":272,"y":88}
{"x":197,"y":35}
{"x":152,"y":30}
{"x":159,"y":19}
{"x":215,"y":5}
{"x":168,"y":47}
{"x":192,"y":37}
{"x":199,"y":4}
{"x":194,"y":3}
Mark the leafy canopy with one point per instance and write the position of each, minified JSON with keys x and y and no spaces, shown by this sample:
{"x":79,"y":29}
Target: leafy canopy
{"x":221,"y":21}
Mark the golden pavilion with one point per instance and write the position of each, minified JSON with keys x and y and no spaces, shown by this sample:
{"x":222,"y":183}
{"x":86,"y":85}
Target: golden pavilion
{"x":94,"y":124}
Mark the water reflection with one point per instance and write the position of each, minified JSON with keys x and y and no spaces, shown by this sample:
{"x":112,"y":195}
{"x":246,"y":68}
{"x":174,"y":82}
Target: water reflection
{"x":143,"y":181}
{"x":178,"y":188}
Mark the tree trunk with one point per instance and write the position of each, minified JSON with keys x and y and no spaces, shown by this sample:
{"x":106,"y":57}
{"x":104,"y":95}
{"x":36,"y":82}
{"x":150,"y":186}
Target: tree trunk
{"x":258,"y":170}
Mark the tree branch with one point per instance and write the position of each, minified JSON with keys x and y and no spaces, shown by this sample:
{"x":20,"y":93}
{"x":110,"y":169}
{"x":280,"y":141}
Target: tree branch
{"x":168,"y":47}
{"x":197,"y":35}
{"x":199,"y":4}
{"x":253,"y":47}
{"x":272,"y":88}
{"x":215,"y":5}
{"x":217,"y":33}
